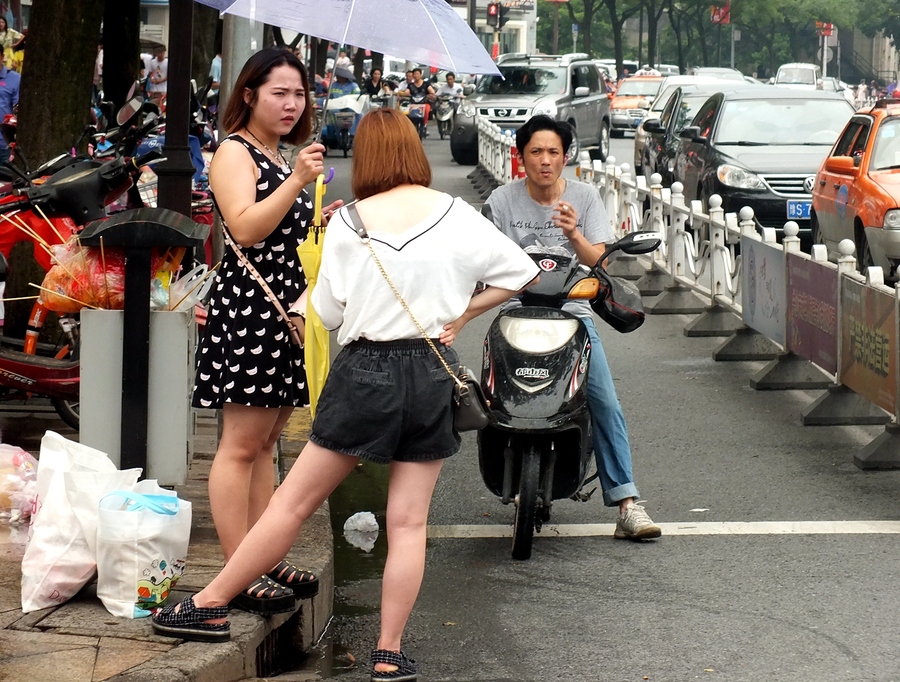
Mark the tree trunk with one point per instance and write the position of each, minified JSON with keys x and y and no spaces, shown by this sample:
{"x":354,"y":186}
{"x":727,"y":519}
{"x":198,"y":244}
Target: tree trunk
{"x":54,"y":108}
{"x":207,"y":42}
{"x":358,"y":58}
{"x":15,"y":6}
{"x":121,"y":49}
{"x":378,"y":61}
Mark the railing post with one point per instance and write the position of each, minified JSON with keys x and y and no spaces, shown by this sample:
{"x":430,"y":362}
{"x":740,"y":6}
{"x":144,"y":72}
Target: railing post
{"x":716,"y":247}
{"x":676,"y":233}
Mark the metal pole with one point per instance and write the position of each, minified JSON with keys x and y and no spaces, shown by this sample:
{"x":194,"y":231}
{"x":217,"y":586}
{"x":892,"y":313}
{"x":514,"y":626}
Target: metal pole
{"x":240,"y":39}
{"x":732,"y":44}
{"x":176,"y":171}
{"x":470,"y":14}
{"x":824,"y":56}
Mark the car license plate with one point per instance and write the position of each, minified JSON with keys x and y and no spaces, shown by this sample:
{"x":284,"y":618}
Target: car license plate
{"x":798,"y":209}
{"x":637,"y":122}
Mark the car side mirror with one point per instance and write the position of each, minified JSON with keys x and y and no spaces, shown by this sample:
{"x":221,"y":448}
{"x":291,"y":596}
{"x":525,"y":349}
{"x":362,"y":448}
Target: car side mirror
{"x":692,"y":134}
{"x":468,"y":90}
{"x":845,"y":165}
{"x":582,"y":91}
{"x":772,"y":80}
{"x":653,"y":125}
{"x":644,"y":104}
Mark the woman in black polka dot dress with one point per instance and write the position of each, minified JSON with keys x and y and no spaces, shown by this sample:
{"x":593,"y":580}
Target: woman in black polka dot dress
{"x":247,"y":365}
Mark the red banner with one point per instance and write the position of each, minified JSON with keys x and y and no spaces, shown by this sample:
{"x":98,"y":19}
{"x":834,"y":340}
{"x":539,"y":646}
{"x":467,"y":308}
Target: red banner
{"x":720,"y":15}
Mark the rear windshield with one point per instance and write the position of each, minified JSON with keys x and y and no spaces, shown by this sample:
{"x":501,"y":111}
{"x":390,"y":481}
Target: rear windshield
{"x":796,"y":76}
{"x":639,"y":88}
{"x":812,"y":122}
{"x":886,"y":152}
{"x":525,"y":80}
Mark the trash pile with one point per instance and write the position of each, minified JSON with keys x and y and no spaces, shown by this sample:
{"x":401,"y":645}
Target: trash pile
{"x":18,"y":476}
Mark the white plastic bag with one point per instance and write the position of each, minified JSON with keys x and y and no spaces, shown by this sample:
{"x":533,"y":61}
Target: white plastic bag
{"x":58,"y":560}
{"x":142,"y":543}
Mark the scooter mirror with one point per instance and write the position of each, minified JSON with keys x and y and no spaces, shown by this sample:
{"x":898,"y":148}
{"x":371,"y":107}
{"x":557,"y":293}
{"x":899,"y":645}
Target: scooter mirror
{"x":129,"y":109}
{"x":639,"y":242}
{"x":133,"y":90}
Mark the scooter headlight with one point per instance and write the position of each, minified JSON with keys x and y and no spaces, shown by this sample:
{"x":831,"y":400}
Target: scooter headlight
{"x":537,"y":336}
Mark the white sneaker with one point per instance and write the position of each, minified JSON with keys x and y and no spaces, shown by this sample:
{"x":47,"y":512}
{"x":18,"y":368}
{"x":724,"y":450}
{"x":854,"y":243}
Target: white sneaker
{"x":635,"y":524}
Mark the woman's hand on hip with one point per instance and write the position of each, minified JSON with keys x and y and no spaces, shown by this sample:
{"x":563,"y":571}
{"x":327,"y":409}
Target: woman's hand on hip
{"x":452,"y":330}
{"x":309,"y":164}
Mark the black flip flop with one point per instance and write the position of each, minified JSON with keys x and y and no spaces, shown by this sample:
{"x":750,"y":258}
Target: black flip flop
{"x":276,"y":598}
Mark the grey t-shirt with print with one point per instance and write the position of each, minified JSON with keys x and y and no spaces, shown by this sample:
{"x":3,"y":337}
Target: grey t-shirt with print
{"x":517,"y":215}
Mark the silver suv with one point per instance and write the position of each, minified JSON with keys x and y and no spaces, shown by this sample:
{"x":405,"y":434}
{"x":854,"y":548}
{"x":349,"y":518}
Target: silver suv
{"x":565,"y":87}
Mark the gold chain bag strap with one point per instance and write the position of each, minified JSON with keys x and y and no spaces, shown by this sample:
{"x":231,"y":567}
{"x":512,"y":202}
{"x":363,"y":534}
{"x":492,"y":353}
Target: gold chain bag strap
{"x":471,"y":410}
{"x":296,"y":339}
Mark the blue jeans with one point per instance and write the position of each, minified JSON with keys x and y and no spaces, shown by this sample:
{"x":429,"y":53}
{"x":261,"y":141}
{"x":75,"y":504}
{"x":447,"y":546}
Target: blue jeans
{"x":610,"y":434}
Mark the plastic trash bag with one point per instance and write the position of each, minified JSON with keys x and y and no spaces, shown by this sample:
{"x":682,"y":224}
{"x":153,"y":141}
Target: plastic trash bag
{"x":18,"y":477}
{"x":361,"y":530}
{"x":58,"y":560}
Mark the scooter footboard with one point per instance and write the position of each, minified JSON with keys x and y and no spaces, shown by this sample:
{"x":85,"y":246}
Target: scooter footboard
{"x":565,"y":458}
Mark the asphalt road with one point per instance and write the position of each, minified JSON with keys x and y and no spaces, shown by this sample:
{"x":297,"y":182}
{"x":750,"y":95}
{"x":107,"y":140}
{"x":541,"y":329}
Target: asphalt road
{"x":715,"y":599}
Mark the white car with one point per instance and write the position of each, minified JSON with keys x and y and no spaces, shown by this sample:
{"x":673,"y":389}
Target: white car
{"x":798,"y":76}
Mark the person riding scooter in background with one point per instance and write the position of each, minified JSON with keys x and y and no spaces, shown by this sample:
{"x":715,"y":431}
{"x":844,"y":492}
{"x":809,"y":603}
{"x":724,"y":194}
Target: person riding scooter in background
{"x":545,"y":205}
{"x":416,"y":89}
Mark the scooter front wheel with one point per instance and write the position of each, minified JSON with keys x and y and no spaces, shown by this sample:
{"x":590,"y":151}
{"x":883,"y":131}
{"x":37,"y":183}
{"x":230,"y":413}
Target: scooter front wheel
{"x":526,"y":504}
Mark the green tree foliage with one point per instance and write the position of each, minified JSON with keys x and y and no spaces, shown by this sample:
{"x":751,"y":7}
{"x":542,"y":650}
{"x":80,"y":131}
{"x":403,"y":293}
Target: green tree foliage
{"x":881,"y":15}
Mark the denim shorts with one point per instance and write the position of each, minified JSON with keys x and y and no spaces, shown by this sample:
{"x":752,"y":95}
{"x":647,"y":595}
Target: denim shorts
{"x":388,"y":401}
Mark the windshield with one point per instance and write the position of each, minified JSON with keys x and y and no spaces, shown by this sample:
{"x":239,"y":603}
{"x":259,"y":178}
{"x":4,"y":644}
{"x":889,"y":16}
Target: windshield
{"x":886,"y":152}
{"x":796,"y":76}
{"x":639,"y":88}
{"x":782,"y":122}
{"x":525,"y":80}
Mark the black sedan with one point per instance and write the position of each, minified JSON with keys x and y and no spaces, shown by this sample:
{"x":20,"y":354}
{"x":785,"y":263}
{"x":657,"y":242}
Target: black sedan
{"x":760,"y":147}
{"x":661,"y":143}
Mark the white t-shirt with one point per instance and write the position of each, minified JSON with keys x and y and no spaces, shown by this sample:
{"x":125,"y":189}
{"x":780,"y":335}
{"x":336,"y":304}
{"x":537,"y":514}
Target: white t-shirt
{"x":434,"y":264}
{"x":456,"y":89}
{"x":158,"y":70}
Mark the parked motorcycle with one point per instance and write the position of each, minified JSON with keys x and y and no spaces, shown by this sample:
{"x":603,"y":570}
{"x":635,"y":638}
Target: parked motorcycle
{"x":444,"y":111}
{"x":70,"y":198}
{"x":537,"y":447}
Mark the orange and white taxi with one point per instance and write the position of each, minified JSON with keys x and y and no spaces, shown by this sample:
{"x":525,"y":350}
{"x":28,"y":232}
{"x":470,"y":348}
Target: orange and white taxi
{"x":856,"y":194}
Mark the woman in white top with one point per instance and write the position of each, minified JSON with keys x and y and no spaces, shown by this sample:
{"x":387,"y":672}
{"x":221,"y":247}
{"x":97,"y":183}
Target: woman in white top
{"x":388,"y":397}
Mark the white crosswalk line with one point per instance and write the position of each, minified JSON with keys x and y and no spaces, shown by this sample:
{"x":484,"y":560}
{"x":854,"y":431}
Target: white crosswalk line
{"x":687,"y":528}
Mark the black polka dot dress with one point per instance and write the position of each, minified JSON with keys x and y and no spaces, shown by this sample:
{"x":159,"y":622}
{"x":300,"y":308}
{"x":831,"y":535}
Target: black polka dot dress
{"x":245,"y":354}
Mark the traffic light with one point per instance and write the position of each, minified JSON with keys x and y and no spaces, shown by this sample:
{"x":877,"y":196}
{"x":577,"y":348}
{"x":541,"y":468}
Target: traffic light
{"x":493,"y":14}
{"x":502,"y":15}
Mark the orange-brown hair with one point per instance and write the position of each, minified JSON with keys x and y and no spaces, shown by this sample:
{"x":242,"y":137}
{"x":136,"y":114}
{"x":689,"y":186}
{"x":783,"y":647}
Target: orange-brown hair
{"x":387,"y":153}
{"x":255,"y":74}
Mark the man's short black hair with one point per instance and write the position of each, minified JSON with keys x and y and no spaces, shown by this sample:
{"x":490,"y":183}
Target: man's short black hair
{"x":543,"y":122}
{"x":417,"y":69}
{"x":450,"y":73}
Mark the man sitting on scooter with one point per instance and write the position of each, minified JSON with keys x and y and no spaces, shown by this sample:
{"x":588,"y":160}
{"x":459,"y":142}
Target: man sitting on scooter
{"x":417,"y":87}
{"x":563,"y":213}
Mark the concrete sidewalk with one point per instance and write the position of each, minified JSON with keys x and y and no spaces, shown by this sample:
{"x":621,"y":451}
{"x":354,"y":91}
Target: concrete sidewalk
{"x":80,"y":641}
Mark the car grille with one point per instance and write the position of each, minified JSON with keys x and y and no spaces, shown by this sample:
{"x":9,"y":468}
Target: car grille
{"x":636,"y":113}
{"x":787,"y":185}
{"x":500,"y":114}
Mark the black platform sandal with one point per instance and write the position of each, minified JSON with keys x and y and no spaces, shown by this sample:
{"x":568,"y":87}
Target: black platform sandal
{"x":188,"y":622}
{"x":304,"y":584}
{"x":405,"y":671}
{"x":265,"y":597}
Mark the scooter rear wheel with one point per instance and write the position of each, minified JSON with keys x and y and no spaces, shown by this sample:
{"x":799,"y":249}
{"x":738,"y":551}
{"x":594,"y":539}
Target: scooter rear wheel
{"x":526,"y":504}
{"x":68,"y":411}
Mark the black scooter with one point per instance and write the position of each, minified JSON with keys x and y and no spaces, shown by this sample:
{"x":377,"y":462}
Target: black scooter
{"x":537,"y":447}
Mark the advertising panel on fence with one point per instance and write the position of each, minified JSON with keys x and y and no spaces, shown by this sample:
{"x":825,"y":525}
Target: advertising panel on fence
{"x":868,"y":343}
{"x":763,"y":288}
{"x":812,"y":311}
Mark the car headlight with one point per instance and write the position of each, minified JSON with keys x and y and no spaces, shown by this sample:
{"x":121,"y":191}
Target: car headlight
{"x":537,"y":336}
{"x":466,"y":108}
{"x":892,"y":219}
{"x":547,"y":108}
{"x":734,"y":176}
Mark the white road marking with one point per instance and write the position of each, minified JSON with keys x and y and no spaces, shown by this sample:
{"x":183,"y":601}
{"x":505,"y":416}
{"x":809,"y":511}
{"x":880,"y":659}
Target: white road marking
{"x":576,"y":530}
